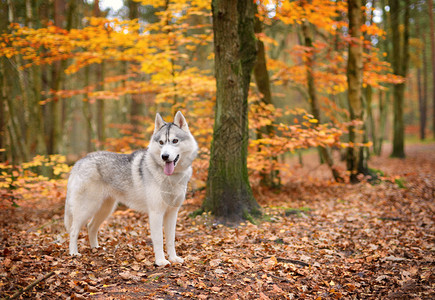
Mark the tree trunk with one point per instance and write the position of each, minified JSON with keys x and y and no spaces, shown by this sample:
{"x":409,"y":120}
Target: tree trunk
{"x":87,"y":113}
{"x":422,"y":83}
{"x":36,"y":130}
{"x":56,"y":80}
{"x":101,"y":120}
{"x":354,"y":82}
{"x":269,"y":178}
{"x":3,"y":95}
{"x":325,"y":156}
{"x":136,"y":106}
{"x":432,"y":43}
{"x":101,"y":117}
{"x":383,"y":96}
{"x":400,"y":67}
{"x":229,"y":194}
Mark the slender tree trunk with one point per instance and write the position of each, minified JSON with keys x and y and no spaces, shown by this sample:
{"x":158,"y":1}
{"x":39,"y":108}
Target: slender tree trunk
{"x":229,"y":193}
{"x":325,"y":156}
{"x":55,"y":127}
{"x":100,"y":118}
{"x":87,"y":113}
{"x":400,"y":67}
{"x":136,"y":106}
{"x":36,"y":130}
{"x":422,"y":84}
{"x":425,"y":85}
{"x":354,"y":82}
{"x":3,"y":94}
{"x":269,"y":178}
{"x":18,"y":147}
{"x":18,"y":125}
{"x":3,"y":104}
{"x":383,"y":96}
{"x":432,"y":44}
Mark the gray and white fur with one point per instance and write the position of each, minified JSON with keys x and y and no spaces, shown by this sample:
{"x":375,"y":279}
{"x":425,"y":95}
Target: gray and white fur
{"x":152,"y":180}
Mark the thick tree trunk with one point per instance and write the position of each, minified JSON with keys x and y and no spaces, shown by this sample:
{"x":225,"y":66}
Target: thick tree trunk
{"x":229,"y":193}
{"x":354,"y":162}
{"x":400,"y":67}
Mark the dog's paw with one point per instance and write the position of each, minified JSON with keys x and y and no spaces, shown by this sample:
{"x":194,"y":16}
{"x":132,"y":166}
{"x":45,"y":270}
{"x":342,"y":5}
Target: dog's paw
{"x":75,"y":254}
{"x":162,"y":262}
{"x":176,"y":259}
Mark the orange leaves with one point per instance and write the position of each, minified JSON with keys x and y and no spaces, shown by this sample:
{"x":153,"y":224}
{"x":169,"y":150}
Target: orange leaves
{"x":321,"y":13}
{"x":281,"y":138}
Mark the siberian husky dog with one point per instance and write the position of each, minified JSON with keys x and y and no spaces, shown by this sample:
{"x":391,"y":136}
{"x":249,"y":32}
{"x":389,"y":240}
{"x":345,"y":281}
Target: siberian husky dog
{"x":152,"y":180}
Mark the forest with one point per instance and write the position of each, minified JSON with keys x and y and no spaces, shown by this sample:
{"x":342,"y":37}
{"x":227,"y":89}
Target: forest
{"x":315,"y":125}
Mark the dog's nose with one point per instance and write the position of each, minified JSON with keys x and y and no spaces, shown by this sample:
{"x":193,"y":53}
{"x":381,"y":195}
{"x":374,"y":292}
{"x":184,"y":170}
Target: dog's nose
{"x":165,"y":157}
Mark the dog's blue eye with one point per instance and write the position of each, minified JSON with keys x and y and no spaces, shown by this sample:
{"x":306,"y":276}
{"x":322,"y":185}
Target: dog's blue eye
{"x":174,"y":141}
{"x":161,"y":142}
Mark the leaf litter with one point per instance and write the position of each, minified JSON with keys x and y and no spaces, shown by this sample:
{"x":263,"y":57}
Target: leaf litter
{"x":318,"y":240}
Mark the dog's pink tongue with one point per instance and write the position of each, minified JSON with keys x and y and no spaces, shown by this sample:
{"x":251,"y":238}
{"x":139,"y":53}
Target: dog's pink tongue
{"x":169,"y":168}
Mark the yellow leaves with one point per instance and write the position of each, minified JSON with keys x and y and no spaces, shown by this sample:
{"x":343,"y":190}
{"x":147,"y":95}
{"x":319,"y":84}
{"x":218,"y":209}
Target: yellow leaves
{"x":155,"y":3}
{"x":29,"y":173}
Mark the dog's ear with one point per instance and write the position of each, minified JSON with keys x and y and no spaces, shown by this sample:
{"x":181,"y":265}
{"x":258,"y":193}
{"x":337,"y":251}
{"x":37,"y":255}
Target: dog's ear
{"x":180,"y":121}
{"x":158,"y":122}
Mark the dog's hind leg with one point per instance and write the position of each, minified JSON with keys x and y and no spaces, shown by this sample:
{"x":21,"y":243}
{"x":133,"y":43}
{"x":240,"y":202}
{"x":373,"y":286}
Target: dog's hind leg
{"x":68,"y":217}
{"x":83,"y":207}
{"x":105,"y":210}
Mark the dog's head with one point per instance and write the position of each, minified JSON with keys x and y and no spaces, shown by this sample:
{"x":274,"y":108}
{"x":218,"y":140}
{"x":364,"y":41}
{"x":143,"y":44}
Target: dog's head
{"x":172,"y":145}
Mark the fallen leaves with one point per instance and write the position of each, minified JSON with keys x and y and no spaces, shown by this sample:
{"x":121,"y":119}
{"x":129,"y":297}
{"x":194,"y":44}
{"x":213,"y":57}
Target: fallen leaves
{"x":336,"y":241}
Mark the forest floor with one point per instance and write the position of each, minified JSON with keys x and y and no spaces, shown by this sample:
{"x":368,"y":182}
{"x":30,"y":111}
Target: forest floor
{"x":317,"y":240}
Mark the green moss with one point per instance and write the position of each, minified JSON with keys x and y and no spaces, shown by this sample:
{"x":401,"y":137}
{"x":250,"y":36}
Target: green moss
{"x":248,"y":217}
{"x":297,"y":211}
{"x":196,"y":213}
{"x":400,"y":183}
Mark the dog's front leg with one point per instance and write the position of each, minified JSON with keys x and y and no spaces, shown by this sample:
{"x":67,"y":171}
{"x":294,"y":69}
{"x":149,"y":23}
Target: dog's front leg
{"x":170,"y":222}
{"x":156,"y":228}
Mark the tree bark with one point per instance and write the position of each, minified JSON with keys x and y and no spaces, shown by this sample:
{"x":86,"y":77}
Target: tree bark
{"x":400,"y":67}
{"x":432,"y":43}
{"x":354,"y":81}
{"x":100,"y":118}
{"x":325,"y":156}
{"x":136,"y":106}
{"x":422,"y":84}
{"x":56,"y":80}
{"x":269,"y":178}
{"x":229,"y":194}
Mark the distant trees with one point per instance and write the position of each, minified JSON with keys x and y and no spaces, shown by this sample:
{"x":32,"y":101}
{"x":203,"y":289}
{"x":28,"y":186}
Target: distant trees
{"x":328,"y":74}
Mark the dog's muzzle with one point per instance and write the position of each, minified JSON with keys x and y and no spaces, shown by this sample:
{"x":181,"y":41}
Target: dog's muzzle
{"x":169,"y":165}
